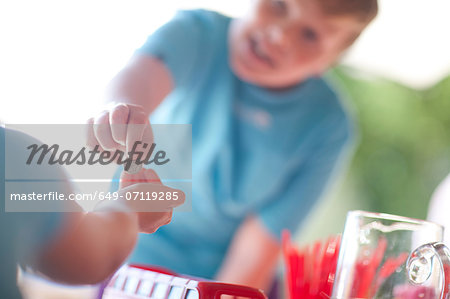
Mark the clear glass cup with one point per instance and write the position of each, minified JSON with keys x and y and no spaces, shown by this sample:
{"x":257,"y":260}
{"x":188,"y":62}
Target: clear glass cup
{"x":387,"y":256}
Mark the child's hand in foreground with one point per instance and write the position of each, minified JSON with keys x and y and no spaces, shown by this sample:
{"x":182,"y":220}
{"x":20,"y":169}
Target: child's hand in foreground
{"x":141,"y":188}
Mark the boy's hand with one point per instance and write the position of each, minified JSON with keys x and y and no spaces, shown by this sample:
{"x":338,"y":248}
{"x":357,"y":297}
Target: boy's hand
{"x":147,"y":181}
{"x":119,"y":127}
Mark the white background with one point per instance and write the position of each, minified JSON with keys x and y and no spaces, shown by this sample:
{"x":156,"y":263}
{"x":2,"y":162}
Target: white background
{"x":57,"y":56}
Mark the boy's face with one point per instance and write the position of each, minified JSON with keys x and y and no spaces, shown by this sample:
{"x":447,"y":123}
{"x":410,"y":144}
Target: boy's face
{"x":280,"y":43}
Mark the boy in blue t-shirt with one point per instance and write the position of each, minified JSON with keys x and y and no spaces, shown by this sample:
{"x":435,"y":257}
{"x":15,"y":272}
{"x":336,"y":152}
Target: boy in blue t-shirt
{"x":267,"y":130}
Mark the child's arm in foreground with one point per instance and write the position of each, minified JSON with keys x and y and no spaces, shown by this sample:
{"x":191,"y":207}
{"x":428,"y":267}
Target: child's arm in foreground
{"x":252,"y":257}
{"x":91,"y":246}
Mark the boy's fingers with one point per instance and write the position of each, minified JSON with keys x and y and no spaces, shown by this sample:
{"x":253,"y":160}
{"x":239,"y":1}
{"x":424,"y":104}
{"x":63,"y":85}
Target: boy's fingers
{"x":147,"y":136}
{"x":151,"y":197}
{"x":144,"y":192}
{"x":135,"y":130}
{"x":118,"y":119}
{"x":149,"y":222}
{"x":139,"y":144}
{"x":181,"y":198}
{"x":91,"y":140}
{"x":143,"y":176}
{"x":102,"y":131}
{"x":127,"y":179}
{"x":151,"y":176}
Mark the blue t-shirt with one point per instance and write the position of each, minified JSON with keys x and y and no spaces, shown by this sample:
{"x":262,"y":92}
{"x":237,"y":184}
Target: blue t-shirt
{"x":255,"y":151}
{"x":22,"y":235}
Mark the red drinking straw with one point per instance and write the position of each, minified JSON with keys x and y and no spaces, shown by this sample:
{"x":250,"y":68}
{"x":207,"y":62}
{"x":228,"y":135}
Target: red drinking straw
{"x":311,"y":270}
{"x":389,"y":268}
{"x":369,"y":268}
{"x":285,"y":237}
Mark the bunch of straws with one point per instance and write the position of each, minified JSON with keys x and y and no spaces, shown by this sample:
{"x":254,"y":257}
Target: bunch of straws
{"x":310,"y":271}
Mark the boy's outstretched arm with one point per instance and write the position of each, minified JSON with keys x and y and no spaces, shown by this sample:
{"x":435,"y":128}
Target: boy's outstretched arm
{"x":132,"y":95}
{"x":144,"y":81}
{"x":252,"y":257}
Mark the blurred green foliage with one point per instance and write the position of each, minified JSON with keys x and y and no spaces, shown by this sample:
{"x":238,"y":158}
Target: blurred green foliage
{"x":403,"y":151}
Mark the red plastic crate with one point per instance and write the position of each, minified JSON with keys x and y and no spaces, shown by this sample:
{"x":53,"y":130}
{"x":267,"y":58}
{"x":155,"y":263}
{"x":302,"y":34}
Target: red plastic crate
{"x":138,"y":282}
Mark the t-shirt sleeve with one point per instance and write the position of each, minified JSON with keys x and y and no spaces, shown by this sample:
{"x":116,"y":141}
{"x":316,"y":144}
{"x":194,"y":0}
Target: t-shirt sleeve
{"x":309,"y":180}
{"x":179,"y":44}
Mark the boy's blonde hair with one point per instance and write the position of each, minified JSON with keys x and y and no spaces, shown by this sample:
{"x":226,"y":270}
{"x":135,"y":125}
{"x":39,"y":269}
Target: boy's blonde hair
{"x":363,"y":10}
